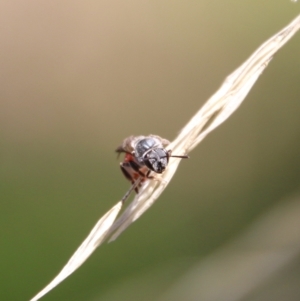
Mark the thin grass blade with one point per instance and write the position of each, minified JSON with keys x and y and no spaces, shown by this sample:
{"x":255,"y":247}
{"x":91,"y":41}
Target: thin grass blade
{"x":89,"y":245}
{"x":214,"y":112}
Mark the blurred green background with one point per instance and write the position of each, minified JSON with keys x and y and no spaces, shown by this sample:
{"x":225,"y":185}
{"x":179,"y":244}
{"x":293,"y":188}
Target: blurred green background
{"x":77,"y":77}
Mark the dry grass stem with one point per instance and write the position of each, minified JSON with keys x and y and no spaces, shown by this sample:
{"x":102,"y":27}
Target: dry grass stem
{"x":93,"y":240}
{"x":215,"y":111}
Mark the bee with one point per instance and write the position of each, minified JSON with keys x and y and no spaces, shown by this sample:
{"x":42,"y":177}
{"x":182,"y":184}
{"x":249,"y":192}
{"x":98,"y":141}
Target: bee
{"x":143,"y":156}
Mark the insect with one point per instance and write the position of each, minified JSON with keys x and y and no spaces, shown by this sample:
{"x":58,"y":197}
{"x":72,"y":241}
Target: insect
{"x":144,"y":155}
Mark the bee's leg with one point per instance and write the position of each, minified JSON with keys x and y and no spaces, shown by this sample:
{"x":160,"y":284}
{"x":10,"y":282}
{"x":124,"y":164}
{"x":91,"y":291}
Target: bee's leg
{"x":156,"y":177}
{"x":136,"y":189}
{"x":126,"y":167}
{"x":148,"y":175}
{"x":133,"y":187}
{"x":137,"y":167}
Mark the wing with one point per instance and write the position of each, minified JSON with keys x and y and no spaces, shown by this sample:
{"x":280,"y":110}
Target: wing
{"x":163,"y":141}
{"x":128,"y":144}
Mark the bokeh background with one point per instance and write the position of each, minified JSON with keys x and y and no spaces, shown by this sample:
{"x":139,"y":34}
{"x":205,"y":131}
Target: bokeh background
{"x":77,"y":77}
